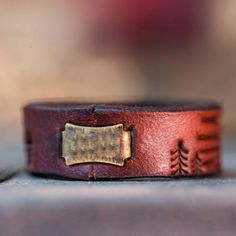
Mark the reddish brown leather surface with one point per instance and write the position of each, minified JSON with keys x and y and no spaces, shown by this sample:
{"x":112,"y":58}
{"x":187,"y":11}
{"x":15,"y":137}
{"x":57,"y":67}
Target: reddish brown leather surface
{"x":167,"y":139}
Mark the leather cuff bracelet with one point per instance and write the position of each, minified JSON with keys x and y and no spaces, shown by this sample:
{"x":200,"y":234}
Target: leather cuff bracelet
{"x":83,"y":141}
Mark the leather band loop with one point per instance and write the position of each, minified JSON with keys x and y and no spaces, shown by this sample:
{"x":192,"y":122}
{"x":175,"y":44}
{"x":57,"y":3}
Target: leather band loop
{"x":167,"y":139}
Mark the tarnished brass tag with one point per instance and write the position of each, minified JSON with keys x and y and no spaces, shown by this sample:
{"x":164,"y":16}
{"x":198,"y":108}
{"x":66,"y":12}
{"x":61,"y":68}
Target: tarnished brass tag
{"x":110,"y":144}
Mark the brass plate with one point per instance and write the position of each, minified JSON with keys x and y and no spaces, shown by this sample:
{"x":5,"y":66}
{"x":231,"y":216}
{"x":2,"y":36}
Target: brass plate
{"x":110,"y":144}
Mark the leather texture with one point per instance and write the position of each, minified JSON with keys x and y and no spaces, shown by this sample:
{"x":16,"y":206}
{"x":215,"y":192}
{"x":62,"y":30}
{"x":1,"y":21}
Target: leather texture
{"x":168,"y":139}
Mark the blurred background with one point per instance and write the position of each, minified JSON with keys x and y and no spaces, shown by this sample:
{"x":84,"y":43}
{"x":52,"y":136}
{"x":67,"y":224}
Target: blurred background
{"x":114,"y":50}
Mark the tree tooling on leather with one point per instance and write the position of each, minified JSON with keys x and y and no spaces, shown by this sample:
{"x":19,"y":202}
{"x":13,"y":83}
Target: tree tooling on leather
{"x":83,"y":141}
{"x":204,"y":158}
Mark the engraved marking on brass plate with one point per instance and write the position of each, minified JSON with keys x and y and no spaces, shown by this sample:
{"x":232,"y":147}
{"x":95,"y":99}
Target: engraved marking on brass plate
{"x":110,"y":144}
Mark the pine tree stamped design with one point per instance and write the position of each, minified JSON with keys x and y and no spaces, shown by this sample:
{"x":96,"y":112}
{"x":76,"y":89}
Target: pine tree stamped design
{"x":179,"y":160}
{"x":197,"y":164}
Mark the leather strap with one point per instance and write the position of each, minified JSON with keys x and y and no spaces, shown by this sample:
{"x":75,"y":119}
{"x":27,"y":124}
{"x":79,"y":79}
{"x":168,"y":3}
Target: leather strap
{"x":167,"y":139}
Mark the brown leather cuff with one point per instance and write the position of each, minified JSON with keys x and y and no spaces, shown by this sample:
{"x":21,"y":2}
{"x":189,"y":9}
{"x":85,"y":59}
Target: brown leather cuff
{"x":83,"y":141}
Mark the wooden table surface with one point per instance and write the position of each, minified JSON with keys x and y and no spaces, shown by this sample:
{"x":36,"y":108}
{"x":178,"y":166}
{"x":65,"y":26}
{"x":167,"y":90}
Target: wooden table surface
{"x":39,"y":206}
